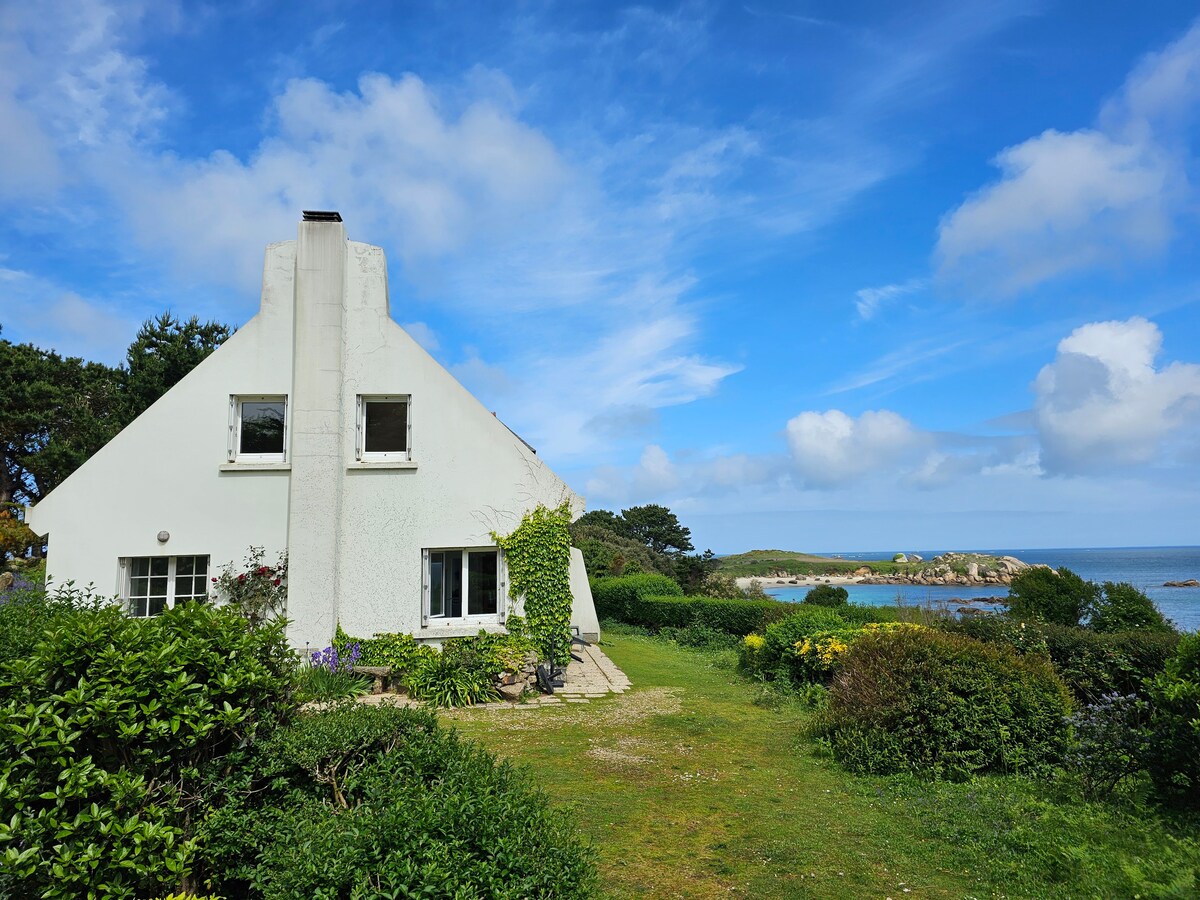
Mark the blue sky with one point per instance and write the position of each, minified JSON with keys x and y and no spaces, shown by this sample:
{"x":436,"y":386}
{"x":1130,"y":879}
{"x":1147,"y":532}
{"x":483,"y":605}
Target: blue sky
{"x":822,"y":276}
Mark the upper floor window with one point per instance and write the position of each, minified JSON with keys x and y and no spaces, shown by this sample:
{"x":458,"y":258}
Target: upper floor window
{"x":155,"y":583}
{"x":384,"y":428}
{"x":258,"y":429}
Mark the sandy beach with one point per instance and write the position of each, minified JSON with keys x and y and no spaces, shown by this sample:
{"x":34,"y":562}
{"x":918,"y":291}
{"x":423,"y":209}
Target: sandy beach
{"x":797,"y":581}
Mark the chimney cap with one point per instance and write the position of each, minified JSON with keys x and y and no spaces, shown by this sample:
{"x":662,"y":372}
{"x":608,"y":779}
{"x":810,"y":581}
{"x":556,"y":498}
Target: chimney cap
{"x":321,"y":215}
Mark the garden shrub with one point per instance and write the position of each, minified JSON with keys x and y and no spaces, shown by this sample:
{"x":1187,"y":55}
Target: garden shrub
{"x":1175,"y":747}
{"x":27,"y":610}
{"x":861,"y":615}
{"x":612,"y":596}
{"x":923,"y":701}
{"x":827,"y":595}
{"x":361,"y":802}
{"x":818,"y":656}
{"x":787,"y":632}
{"x":661,"y":612}
{"x":700,"y":637}
{"x":108,"y":722}
{"x":736,"y":617}
{"x":1122,"y":607}
{"x":1109,"y":744}
{"x":1048,"y":595}
{"x":1092,"y":664}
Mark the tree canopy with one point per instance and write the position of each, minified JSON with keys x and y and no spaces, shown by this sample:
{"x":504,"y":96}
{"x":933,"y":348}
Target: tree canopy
{"x":56,"y":411}
{"x":164,"y":351}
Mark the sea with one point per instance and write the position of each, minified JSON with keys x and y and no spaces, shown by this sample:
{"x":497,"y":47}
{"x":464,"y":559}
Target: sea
{"x":1146,"y":568}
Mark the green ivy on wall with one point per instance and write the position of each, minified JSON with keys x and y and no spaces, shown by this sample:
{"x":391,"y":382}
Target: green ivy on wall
{"x":538,"y":554}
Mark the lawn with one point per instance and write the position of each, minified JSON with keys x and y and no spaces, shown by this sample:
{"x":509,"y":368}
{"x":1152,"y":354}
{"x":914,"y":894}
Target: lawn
{"x":689,"y":789}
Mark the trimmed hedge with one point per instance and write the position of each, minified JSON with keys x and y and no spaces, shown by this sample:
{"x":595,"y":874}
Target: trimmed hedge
{"x":1091,"y":663}
{"x":612,"y":596}
{"x":739,"y":617}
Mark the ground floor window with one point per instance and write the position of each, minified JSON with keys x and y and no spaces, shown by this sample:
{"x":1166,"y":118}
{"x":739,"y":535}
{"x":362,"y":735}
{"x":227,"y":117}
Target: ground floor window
{"x":155,"y":583}
{"x":464,"y":583}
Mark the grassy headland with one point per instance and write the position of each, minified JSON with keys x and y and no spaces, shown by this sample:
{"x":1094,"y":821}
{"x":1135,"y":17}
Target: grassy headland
{"x":777,"y":563}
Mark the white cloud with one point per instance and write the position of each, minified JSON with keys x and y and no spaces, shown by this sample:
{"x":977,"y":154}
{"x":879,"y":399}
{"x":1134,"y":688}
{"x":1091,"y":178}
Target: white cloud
{"x":831,"y":448}
{"x":1069,"y":201}
{"x":1102,"y":403}
{"x":657,"y":476}
{"x":871,"y":300}
{"x":423,"y":335}
{"x":39,"y":311}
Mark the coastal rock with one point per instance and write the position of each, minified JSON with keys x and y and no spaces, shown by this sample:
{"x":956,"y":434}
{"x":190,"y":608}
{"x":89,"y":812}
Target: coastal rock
{"x":862,"y":571}
{"x":1191,"y":582}
{"x":973,"y":570}
{"x":915,"y":557}
{"x":900,"y":558}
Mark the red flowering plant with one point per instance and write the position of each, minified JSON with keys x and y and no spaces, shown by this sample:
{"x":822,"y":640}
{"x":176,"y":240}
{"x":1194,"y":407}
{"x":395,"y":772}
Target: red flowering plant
{"x":256,"y":588}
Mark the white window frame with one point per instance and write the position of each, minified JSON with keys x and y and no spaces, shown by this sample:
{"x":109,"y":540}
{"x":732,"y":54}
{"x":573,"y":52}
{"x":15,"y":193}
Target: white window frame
{"x":126,"y":563}
{"x":236,"y":402}
{"x":360,"y":429}
{"x":496,"y":618}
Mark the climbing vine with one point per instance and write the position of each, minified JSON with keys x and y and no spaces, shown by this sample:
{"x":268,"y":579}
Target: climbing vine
{"x":538,"y":554}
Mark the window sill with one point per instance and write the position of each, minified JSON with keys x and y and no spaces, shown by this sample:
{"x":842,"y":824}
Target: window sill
{"x":381,"y":464}
{"x":256,"y":467}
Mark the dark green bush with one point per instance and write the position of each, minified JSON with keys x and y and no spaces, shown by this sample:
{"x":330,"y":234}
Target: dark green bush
{"x":1175,"y":743}
{"x":612,"y":596}
{"x":28,"y":609}
{"x":1092,"y":664}
{"x":1122,"y":607}
{"x":787,"y":632}
{"x":827,"y":595}
{"x":738,"y":617}
{"x":361,"y":802}
{"x":700,"y":637}
{"x":1046,"y":595}
{"x":861,"y":615}
{"x":108,"y":722}
{"x":925,"y":701}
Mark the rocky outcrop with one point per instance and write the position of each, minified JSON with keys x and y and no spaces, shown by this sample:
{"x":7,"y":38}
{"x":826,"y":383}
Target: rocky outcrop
{"x":969,"y":569}
{"x":1191,"y":582}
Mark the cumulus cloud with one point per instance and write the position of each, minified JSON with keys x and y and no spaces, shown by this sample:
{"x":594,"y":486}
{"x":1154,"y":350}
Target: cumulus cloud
{"x":1102,"y":403}
{"x":831,"y":448}
{"x":1068,"y":201}
{"x":659,"y":476}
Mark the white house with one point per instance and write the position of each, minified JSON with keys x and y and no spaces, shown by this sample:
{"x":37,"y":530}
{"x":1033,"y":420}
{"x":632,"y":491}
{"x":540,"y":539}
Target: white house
{"x":321,"y":428}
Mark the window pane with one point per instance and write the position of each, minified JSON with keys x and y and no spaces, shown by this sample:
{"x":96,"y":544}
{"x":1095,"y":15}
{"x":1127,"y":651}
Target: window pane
{"x":139,"y":587}
{"x":386,"y":426}
{"x":137,"y":606}
{"x":157,"y":605}
{"x":184,"y":565}
{"x":158,"y":587}
{"x":436,"y":567}
{"x":452,"y":583}
{"x":158,"y":565}
{"x":483,"y":583}
{"x":141,"y":566}
{"x":262,"y":426}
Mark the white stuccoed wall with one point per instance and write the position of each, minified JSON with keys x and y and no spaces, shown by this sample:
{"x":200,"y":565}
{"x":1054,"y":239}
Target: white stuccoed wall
{"x":354,"y":531}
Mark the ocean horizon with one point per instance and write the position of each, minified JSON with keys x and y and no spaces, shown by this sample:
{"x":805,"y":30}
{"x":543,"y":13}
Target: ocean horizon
{"x":1146,"y":568}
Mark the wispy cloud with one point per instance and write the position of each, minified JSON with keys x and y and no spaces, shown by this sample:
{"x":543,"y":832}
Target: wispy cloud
{"x":1096,"y":197}
{"x":871,"y":300}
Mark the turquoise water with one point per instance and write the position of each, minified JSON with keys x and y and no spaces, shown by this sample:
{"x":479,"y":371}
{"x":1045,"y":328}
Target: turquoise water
{"x":1146,"y":568}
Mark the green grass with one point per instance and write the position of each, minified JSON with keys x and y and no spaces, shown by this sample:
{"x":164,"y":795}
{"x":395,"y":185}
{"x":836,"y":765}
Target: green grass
{"x":689,"y":789}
